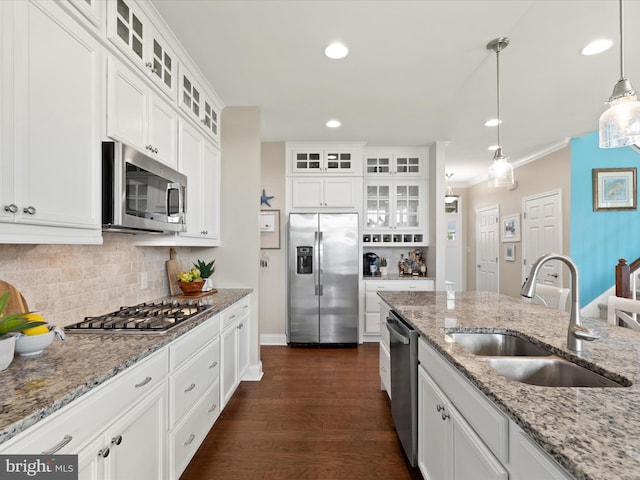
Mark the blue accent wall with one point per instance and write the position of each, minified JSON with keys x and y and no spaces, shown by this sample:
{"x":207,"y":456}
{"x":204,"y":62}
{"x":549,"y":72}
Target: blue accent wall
{"x":599,"y":239}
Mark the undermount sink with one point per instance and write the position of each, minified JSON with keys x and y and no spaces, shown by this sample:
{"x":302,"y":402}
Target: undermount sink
{"x":497,"y":345}
{"x":549,"y":372}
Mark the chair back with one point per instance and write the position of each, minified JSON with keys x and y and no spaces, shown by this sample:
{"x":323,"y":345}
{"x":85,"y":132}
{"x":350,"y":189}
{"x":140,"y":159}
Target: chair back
{"x":625,"y":310}
{"x":550,"y":296}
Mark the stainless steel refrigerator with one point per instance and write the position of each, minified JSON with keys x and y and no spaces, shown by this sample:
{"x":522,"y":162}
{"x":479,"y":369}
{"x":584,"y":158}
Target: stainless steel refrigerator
{"x":323,"y":279}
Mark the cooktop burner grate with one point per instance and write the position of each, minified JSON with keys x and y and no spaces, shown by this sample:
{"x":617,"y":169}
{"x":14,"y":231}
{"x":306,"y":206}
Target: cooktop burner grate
{"x":143,"y":318}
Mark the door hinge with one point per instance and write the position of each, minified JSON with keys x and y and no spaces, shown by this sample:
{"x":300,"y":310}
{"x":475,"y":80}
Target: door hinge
{"x":524,"y":215}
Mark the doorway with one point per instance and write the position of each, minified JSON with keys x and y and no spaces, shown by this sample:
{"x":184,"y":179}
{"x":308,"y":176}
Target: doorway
{"x":487,"y":233}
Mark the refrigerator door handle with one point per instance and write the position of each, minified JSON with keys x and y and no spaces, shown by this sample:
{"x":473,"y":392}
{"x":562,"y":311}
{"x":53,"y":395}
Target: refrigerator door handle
{"x":315,"y":261}
{"x":320,"y":253}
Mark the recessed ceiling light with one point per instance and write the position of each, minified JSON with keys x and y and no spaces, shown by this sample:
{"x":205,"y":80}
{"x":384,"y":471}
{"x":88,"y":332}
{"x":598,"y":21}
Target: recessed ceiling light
{"x":336,"y":51}
{"x":493,"y":148}
{"x":333,"y":124}
{"x":492,"y":122}
{"x":597,"y":46}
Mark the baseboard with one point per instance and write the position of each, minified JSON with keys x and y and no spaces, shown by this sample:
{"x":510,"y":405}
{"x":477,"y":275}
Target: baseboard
{"x":273,"y":339}
{"x":253,"y":374}
{"x":592,"y":309}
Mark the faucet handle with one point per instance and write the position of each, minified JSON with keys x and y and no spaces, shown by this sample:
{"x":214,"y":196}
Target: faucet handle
{"x":584,"y":333}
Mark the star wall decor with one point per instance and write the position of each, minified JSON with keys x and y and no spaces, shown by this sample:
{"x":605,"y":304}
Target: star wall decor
{"x":264,"y":199}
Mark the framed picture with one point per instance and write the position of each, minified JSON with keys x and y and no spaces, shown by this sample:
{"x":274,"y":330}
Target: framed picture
{"x":614,"y":189}
{"x":510,"y":253}
{"x":510,"y":231}
{"x":270,"y":229}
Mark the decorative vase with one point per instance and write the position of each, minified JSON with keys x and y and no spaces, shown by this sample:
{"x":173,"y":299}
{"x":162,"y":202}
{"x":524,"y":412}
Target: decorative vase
{"x":7,"y":348}
{"x":191,"y":288}
{"x":208,"y":285}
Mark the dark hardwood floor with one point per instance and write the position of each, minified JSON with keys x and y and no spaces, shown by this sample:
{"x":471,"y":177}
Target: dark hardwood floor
{"x":318,"y":413}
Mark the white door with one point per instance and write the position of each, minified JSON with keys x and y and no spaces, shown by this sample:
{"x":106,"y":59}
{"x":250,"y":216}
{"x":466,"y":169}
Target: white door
{"x":487,"y":235}
{"x":453,"y":250}
{"x":541,"y":234}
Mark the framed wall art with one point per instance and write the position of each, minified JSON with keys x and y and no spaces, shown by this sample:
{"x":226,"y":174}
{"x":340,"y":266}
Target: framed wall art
{"x":614,"y":189}
{"x":510,"y":228}
{"x":510,"y":253}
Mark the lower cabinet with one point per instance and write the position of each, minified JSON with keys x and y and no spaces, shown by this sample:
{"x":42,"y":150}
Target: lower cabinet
{"x":234,"y":347}
{"x":462,"y":434}
{"x":385,"y":350}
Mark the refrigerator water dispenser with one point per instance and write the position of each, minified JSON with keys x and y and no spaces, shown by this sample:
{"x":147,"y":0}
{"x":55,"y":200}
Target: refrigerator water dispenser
{"x":305,"y":260}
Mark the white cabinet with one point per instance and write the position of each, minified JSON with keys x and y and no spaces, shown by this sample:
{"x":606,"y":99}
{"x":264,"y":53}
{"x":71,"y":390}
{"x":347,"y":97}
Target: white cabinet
{"x":324,"y":159}
{"x":448,"y":447}
{"x":234,"y":346}
{"x":373,"y":323}
{"x":49,"y":164}
{"x":200,"y":106}
{"x":396,"y":212}
{"x":385,"y":350}
{"x":135,"y":36}
{"x":137,"y":116}
{"x":395,"y":162}
{"x":314,"y":193}
{"x":92,"y":11}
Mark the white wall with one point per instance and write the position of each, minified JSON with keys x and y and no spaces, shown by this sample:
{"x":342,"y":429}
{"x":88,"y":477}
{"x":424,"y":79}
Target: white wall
{"x":237,"y":259}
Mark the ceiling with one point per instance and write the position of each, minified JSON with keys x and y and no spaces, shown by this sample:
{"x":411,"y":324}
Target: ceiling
{"x":417,"y":71}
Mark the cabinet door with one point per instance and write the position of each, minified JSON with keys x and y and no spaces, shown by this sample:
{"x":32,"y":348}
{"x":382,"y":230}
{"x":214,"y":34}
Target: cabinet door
{"x":336,"y":161}
{"x":243,"y":345}
{"x":161,"y":64}
{"x":377,"y":163}
{"x":163,"y":131}
{"x":339,"y":192}
{"x":307,"y":192}
{"x":229,"y":358}
{"x":57,"y":118}
{"x":408,"y":164}
{"x":191,"y":152}
{"x":211,"y":192}
{"x":190,"y":97}
{"x":435,"y":441}
{"x":407,"y":213}
{"x":127,"y":28}
{"x":128,"y":100}
{"x":137,"y":440}
{"x":378,"y":204}
{"x":90,"y":462}
{"x":307,"y":161}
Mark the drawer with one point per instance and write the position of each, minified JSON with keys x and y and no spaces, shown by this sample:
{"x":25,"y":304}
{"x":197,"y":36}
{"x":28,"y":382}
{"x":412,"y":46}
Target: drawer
{"x":485,"y":419}
{"x":78,"y":422}
{"x":235,"y":312}
{"x":372,"y":302}
{"x":426,"y":285}
{"x":385,"y":369}
{"x":188,"y":384}
{"x":191,"y":432}
{"x":191,"y":342}
{"x":372,"y":323}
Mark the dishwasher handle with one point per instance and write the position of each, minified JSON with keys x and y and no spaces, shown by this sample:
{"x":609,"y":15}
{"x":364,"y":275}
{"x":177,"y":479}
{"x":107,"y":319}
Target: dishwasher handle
{"x":397,"y":334}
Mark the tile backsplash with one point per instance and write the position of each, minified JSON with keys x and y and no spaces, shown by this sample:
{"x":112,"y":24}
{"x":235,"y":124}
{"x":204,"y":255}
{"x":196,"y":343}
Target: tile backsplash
{"x":65,"y":283}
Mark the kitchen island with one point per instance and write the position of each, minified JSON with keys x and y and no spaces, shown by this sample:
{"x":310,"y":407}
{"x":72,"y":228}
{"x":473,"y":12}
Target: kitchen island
{"x":593,"y":433}
{"x":32,"y":388}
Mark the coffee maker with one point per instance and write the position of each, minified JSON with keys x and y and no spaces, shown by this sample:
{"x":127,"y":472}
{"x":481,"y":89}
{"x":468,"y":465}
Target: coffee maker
{"x":369,"y":259}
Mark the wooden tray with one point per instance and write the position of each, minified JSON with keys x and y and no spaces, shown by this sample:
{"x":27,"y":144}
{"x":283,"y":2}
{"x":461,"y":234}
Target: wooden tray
{"x":196,"y":295}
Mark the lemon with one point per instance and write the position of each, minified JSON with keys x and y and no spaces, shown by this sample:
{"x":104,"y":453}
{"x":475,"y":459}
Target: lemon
{"x":39,"y":330}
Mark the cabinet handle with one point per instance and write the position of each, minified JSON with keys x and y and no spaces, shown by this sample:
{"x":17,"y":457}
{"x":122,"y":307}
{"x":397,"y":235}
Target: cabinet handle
{"x":191,"y":438}
{"x":231,"y":317}
{"x":444,"y":415}
{"x":65,"y":440}
{"x":190,"y":387}
{"x":213,"y":408}
{"x":30,"y":210}
{"x":439,"y":408}
{"x":149,"y":147}
{"x":213,"y":365}
{"x":13,"y":208}
{"x":143,"y":383}
{"x":245,"y":306}
{"x":117,"y":440}
{"x":240,"y":326}
{"x":104,"y":452}
{"x":150,"y":66}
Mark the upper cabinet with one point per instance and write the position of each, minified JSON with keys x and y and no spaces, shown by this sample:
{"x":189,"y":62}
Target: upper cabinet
{"x":198,"y":104}
{"x":52,"y":97}
{"x":325,"y":159}
{"x":404,"y":162}
{"x":130,"y":30}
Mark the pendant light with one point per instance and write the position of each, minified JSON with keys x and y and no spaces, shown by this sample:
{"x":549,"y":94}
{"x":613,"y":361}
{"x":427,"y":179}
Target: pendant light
{"x":500,"y":171}
{"x":620,"y":124}
{"x":449,"y":196}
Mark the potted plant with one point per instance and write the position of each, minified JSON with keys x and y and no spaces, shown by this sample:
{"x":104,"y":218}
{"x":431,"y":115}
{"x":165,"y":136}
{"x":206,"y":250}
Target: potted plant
{"x":383,"y":267}
{"x":9,"y":323}
{"x":206,"y":271}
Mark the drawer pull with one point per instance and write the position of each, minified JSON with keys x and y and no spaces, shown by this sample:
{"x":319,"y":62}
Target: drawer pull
{"x":445,"y":416}
{"x":213,"y":408}
{"x":213,"y":365}
{"x":65,"y":440}
{"x":143,"y":383}
{"x":439,"y":408}
{"x":191,"y":438}
{"x":245,"y":306}
{"x":240,"y":326}
{"x":190,"y":387}
{"x":104,"y":453}
{"x":231,"y":317}
{"x":117,"y":440}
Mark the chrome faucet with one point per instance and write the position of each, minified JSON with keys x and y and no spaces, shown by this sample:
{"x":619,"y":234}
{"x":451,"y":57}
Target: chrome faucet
{"x":576,"y":332}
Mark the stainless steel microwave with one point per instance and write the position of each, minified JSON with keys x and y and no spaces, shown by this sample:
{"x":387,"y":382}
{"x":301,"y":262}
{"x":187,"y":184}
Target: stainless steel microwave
{"x":140,"y":194}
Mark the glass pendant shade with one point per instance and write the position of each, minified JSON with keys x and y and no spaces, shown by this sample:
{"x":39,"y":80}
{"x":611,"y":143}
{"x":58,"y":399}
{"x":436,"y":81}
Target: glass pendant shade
{"x":620,"y":124}
{"x":500,"y":171}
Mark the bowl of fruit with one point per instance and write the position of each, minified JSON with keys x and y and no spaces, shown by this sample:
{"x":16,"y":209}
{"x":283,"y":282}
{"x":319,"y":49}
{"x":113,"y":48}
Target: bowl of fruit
{"x":190,"y":282}
{"x":34,"y":340}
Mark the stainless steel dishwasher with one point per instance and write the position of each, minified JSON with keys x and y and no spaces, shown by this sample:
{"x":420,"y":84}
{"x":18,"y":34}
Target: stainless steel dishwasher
{"x":403,"y":342}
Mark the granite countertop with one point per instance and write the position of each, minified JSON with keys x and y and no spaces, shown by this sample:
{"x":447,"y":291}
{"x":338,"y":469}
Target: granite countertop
{"x":34,"y":387}
{"x":593,"y":432}
{"x":395,"y":276}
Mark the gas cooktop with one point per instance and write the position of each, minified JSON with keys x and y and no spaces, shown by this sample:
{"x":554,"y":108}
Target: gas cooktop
{"x":148,"y":318}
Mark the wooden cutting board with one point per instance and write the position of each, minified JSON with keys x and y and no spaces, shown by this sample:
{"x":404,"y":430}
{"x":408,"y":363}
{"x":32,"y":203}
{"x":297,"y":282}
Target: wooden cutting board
{"x":17,"y":303}
{"x":173,"y":268}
